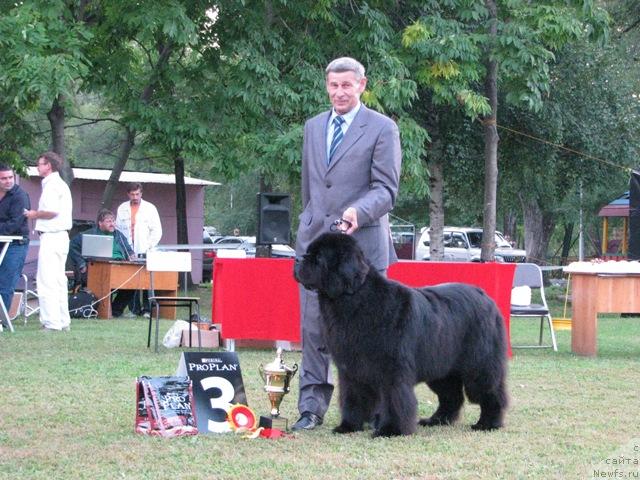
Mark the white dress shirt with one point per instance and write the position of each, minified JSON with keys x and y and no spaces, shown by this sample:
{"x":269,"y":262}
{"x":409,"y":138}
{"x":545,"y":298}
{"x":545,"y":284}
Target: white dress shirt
{"x":55,"y":197}
{"x":348,"y":120}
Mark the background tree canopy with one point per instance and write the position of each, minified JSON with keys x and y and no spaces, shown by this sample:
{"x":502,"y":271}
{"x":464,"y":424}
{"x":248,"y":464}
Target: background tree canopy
{"x":224,"y":88}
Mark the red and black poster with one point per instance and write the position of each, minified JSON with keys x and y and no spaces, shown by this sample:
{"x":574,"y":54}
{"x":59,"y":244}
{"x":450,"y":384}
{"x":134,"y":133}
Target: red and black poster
{"x":164,"y":407}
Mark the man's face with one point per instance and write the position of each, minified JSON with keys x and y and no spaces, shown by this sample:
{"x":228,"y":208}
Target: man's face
{"x":44,"y":167}
{"x":344,"y":90}
{"x":135,"y":196}
{"x":108,"y":224}
{"x":7,"y":180}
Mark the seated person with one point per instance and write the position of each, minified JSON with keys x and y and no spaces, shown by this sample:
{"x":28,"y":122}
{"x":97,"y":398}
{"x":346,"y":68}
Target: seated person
{"x":121,"y":251}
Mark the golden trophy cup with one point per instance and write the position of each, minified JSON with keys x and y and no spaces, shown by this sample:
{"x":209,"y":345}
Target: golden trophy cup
{"x":277,"y":377}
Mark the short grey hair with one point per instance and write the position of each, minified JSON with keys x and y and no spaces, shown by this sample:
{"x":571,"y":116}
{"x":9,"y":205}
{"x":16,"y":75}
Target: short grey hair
{"x":346,"y":64}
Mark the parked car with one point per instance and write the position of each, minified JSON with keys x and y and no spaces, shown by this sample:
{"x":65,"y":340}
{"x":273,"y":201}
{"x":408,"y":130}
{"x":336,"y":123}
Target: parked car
{"x":248,"y":244}
{"x":231,"y":242}
{"x":207,"y":256}
{"x":278,"y":250}
{"x":212,"y":231}
{"x":463,"y":244}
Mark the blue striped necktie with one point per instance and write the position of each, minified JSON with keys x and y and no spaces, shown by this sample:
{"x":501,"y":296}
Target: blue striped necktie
{"x":337,"y":135}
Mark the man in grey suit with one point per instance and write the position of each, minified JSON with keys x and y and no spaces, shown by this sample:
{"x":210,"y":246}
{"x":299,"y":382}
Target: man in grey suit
{"x":350,"y":172}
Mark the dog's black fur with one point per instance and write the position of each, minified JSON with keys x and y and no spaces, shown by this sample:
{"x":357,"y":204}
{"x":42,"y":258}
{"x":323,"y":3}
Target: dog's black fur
{"x":385,"y":337}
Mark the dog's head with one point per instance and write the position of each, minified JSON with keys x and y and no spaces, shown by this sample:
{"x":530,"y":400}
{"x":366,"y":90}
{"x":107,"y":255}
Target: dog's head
{"x":334,"y":265}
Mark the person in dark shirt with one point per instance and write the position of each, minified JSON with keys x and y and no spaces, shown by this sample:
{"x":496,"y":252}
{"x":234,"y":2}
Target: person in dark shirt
{"x":13,"y":202}
{"x":121,"y":251}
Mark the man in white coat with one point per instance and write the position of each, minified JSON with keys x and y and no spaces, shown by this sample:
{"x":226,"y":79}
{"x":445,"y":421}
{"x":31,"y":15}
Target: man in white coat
{"x":140,"y":223}
{"x":52,"y":222}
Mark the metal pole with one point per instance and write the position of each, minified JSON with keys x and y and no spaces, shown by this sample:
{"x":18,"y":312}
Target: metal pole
{"x":580,"y":232}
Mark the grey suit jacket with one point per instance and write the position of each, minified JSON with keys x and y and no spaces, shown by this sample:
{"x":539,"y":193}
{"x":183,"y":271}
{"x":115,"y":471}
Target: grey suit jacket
{"x":364,"y":173}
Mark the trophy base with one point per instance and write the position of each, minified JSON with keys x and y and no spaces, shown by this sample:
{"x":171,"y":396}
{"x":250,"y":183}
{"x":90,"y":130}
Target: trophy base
{"x":280,"y":423}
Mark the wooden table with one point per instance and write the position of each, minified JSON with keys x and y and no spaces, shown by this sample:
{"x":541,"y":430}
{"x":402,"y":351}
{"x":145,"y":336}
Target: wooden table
{"x":593,"y":293}
{"x":104,"y":276}
{"x":5,"y":240}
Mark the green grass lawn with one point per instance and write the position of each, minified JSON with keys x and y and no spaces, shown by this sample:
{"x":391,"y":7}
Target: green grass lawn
{"x":67,"y":408}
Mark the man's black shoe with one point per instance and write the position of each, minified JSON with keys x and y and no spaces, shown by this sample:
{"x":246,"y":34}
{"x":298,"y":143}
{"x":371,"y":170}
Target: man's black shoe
{"x":308,"y":421}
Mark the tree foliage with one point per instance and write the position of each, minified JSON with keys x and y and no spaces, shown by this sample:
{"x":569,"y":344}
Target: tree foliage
{"x":590,"y":123}
{"x":42,"y":64}
{"x":42,"y":51}
{"x":274,"y":78}
{"x":227,"y":87}
{"x":464,"y":52}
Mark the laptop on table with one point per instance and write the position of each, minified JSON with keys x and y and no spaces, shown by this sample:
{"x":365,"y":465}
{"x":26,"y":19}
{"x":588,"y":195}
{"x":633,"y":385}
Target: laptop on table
{"x":97,"y":246}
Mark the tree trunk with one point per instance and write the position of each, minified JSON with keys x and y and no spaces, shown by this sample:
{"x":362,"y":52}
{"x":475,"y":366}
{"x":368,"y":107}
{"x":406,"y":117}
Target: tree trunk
{"x":181,"y":211}
{"x":56,"y":118}
{"x":435,"y":168}
{"x":436,"y":205}
{"x":566,"y":242}
{"x":165,"y":51}
{"x":490,"y":144}
{"x":181,"y":201}
{"x":509,"y":227}
{"x":264,"y":185}
{"x":538,"y":227}
{"x":127,"y":145}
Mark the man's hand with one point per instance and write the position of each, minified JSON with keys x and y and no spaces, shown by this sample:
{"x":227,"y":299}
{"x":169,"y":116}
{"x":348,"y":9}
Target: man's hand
{"x":351,"y":216}
{"x":42,"y":214}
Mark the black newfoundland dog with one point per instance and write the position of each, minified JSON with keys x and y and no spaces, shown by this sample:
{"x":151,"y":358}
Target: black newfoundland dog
{"x":385,"y":337}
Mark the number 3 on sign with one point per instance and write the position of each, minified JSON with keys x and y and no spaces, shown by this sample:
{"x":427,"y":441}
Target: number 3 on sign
{"x":222,"y":402}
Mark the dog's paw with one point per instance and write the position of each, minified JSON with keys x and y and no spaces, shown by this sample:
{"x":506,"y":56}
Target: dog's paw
{"x":486,"y":426}
{"x":346,"y":428}
{"x":435,"y":421}
{"x":388,"y":431}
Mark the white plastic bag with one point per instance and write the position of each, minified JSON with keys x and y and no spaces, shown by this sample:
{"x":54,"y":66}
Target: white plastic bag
{"x":174,"y":335}
{"x":521,"y":295}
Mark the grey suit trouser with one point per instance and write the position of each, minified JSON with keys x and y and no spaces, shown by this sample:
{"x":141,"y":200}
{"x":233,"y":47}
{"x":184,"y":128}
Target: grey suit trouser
{"x":316,"y":382}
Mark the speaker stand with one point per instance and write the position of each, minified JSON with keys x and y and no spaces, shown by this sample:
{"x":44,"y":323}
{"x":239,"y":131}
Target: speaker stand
{"x":263,"y":251}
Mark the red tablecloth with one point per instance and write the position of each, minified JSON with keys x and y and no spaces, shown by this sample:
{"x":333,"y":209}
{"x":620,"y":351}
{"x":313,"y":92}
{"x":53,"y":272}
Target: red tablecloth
{"x":257,"y":298}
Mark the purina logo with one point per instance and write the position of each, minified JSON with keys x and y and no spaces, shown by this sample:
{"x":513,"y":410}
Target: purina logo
{"x":211,"y":360}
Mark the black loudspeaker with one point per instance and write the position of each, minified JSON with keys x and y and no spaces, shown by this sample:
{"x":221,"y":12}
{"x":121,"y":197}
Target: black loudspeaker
{"x":634,"y":216}
{"x":274,"y":222}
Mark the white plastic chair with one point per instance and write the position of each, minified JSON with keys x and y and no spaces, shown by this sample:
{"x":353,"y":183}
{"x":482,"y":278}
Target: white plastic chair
{"x":530,"y":275}
{"x":7,"y":315}
{"x":161,"y":261}
{"x":29,"y":304}
{"x":22,"y":303}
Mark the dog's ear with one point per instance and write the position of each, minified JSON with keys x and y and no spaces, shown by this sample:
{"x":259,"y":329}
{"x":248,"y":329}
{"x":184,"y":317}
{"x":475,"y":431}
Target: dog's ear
{"x":339,"y":264}
{"x":333,"y":285}
{"x":353,"y":270}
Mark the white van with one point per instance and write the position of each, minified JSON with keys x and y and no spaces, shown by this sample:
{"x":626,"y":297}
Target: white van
{"x":463,"y":244}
